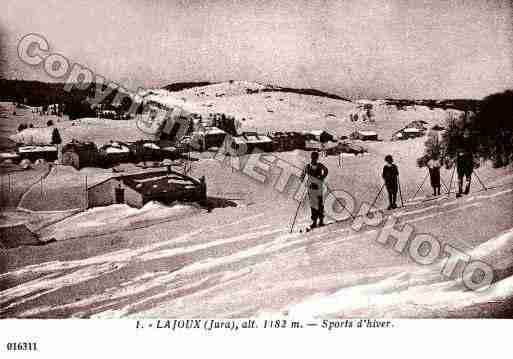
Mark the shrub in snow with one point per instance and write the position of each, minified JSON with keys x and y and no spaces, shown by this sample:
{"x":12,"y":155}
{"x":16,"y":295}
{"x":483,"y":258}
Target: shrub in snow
{"x":40,"y":162}
{"x":25,"y":164}
{"x":56,"y":137}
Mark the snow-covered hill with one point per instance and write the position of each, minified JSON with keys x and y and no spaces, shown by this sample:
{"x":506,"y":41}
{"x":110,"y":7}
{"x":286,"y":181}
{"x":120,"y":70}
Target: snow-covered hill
{"x":262,"y":108}
{"x":268,"y":108}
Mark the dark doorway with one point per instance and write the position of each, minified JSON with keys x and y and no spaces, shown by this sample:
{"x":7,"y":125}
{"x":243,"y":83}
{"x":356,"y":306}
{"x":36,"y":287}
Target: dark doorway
{"x":119,"y":195}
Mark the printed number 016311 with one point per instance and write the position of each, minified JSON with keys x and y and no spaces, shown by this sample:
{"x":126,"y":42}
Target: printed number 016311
{"x":21,"y":346}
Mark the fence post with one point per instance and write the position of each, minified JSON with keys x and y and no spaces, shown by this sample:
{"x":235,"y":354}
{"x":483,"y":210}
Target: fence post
{"x":86,"y":194}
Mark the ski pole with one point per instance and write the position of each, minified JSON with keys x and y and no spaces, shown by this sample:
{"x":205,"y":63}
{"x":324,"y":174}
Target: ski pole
{"x":450,"y":183}
{"x":297,"y":211}
{"x":377,"y":196}
{"x":481,"y":182}
{"x":443,"y":184}
{"x":420,"y":187}
{"x":400,"y":192}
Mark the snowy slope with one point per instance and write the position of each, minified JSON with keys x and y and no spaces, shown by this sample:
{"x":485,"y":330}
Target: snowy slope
{"x":226,"y":266}
{"x":115,"y":218}
{"x":268,"y":108}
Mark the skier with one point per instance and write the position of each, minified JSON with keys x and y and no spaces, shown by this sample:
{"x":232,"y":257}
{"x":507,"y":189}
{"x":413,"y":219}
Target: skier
{"x":434,"y":173}
{"x":316,"y":173}
{"x":464,"y":163}
{"x":391,"y":177}
{"x":464,"y":167}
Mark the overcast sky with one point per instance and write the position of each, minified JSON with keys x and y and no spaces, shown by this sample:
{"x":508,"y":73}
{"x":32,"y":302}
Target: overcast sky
{"x":394,"y":48}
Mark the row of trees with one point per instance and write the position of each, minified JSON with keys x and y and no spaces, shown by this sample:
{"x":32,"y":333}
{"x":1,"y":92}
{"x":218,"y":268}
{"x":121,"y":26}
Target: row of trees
{"x":492,"y":128}
{"x":488,"y":133}
{"x":74,"y":102}
{"x":24,"y":126}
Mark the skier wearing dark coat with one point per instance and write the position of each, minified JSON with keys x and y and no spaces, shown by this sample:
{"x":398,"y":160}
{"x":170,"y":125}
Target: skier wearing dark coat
{"x":434,"y":165}
{"x":464,"y":163}
{"x":464,"y":167}
{"x":391,"y":177}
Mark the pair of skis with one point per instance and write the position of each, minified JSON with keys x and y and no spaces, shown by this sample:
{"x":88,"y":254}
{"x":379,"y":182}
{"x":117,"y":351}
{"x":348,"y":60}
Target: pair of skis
{"x":308,"y":229}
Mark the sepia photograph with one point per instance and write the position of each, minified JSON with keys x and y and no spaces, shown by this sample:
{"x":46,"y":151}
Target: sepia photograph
{"x":260,"y":164}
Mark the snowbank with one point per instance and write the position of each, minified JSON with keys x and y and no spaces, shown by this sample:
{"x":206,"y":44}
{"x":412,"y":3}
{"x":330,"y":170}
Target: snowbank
{"x":115,"y":217}
{"x":415,"y":292}
{"x":34,"y":136}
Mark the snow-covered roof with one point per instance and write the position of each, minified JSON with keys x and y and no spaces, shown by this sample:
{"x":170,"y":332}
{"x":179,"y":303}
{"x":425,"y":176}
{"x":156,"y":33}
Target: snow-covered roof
{"x":157,"y":182}
{"x":169,"y":148}
{"x":116,"y":147}
{"x":367,"y":133}
{"x":151,"y":145}
{"x":28,"y":149}
{"x":8,"y":155}
{"x":117,"y":150}
{"x":214,"y":131}
{"x":316,"y":132}
{"x":253,"y":137}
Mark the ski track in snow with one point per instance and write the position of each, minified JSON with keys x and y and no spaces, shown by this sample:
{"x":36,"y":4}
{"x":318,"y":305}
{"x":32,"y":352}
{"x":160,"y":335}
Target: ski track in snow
{"x":396,"y":296}
{"x":217,"y":267}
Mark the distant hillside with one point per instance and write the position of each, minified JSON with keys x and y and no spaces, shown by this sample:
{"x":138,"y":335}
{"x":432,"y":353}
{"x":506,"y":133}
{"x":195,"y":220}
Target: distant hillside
{"x":179,"y":86}
{"x":460,"y":104}
{"x":36,"y":93}
{"x":311,"y":92}
{"x":456,"y":104}
{"x":253,"y":88}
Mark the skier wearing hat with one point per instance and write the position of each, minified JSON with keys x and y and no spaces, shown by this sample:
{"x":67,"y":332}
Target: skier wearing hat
{"x":464,"y":163}
{"x":316,"y":173}
{"x":434,"y":165}
{"x":391,"y":177}
{"x":464,"y":167}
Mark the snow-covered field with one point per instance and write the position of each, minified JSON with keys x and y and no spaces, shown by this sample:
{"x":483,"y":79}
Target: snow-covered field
{"x":100,"y":131}
{"x":226,"y":266}
{"x":182,"y":261}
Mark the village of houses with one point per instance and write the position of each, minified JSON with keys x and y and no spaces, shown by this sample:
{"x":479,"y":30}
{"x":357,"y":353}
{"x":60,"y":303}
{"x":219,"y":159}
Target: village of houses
{"x":54,"y":168}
